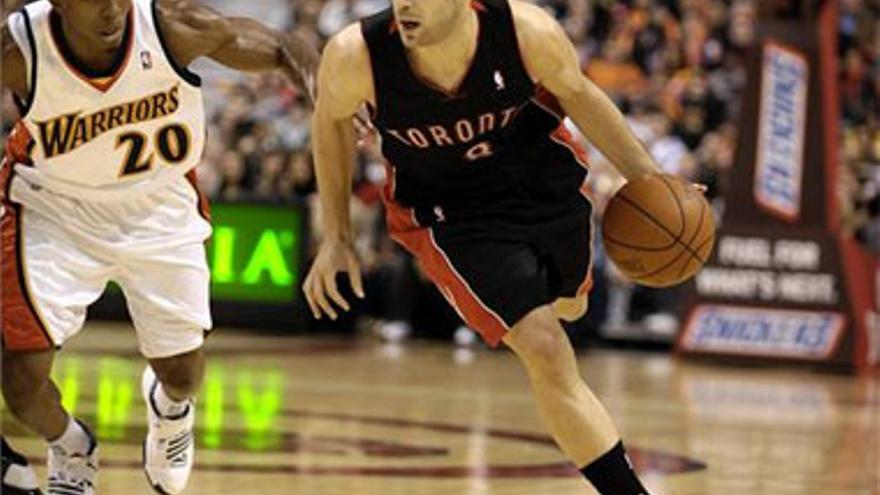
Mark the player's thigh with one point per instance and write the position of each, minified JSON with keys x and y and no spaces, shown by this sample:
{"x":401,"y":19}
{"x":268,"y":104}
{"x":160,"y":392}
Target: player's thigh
{"x":49,"y":279}
{"x":569,"y":257}
{"x":493,"y":281}
{"x":168,"y":296}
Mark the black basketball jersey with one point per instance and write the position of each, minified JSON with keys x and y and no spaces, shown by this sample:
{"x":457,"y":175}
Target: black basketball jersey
{"x":496,"y":145}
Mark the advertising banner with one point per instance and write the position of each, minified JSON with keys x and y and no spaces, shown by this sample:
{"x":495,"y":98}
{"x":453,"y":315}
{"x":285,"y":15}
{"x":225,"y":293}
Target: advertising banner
{"x":784,"y":283}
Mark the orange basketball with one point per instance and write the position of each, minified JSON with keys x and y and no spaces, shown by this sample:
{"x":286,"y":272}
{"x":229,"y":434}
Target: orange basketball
{"x":658,"y":230}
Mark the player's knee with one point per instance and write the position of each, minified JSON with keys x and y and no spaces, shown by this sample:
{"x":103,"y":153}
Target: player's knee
{"x":571,"y":309}
{"x":541,"y":343}
{"x":181,"y":375}
{"x":25,"y":377}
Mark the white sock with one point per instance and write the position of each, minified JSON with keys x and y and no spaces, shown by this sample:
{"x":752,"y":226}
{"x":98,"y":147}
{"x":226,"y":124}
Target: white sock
{"x":74,"y":440}
{"x":168,"y":407}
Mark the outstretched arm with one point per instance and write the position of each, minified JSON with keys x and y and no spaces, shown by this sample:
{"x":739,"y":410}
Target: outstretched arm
{"x":553,"y":63}
{"x":194,"y":30}
{"x":344,"y":83}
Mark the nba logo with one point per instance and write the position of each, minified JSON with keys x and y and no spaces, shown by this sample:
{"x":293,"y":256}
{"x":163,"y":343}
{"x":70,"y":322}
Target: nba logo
{"x":146,"y":60}
{"x":499,"y":80}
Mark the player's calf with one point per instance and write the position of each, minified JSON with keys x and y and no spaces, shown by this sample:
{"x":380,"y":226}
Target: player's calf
{"x":33,"y":398}
{"x":30,"y":394}
{"x":578,"y":421}
{"x":180,"y":376}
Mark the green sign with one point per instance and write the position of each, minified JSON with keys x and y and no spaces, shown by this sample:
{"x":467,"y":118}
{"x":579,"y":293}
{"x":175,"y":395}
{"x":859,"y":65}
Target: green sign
{"x":255,"y":253}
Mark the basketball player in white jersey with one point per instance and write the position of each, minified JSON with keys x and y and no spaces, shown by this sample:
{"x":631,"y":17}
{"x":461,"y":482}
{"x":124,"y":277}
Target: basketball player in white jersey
{"x":98,"y":185}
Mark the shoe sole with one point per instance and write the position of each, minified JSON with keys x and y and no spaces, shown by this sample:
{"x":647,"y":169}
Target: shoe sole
{"x":14,"y":490}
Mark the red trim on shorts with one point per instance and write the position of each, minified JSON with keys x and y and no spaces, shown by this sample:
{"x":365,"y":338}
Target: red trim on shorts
{"x":548,"y":102}
{"x":564,"y":137}
{"x":587,"y":284}
{"x":204,"y":203}
{"x":21,"y":327}
{"x":419,"y":241}
{"x":19,"y":145}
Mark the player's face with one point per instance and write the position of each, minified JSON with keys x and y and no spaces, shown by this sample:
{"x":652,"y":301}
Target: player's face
{"x":425,"y":22}
{"x":100,"y":22}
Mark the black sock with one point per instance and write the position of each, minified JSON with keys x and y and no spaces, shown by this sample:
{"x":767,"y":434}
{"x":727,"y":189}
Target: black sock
{"x":612,"y":474}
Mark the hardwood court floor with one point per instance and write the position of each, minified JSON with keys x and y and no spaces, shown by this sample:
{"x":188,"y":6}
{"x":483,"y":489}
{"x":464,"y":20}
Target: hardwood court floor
{"x":296,"y":416}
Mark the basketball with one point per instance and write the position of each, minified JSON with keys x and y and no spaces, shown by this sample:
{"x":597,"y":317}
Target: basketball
{"x":658,"y":230}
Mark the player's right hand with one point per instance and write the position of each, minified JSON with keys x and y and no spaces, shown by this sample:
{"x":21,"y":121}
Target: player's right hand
{"x":320,"y":287}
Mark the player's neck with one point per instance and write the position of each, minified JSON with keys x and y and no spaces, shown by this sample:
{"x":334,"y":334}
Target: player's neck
{"x":447,"y":62}
{"x":97,"y":60}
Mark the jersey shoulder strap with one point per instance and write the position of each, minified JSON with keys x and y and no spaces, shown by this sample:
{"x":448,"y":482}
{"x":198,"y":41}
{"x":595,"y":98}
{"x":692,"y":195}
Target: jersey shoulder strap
{"x":22,"y":31}
{"x":387,"y":56}
{"x":147,"y":14}
{"x":504,"y":41}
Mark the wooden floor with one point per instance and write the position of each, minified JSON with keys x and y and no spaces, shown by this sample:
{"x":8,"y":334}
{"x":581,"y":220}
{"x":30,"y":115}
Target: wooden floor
{"x":294,"y":416}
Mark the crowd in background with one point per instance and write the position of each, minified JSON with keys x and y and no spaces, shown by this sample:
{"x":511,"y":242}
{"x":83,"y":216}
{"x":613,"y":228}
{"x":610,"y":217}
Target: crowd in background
{"x":676,"y":68}
{"x":859,"y":52}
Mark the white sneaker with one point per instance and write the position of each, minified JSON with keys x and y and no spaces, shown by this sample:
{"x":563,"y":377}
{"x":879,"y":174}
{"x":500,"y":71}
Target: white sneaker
{"x":169,"y":448}
{"x":18,"y":477}
{"x":73,"y":474}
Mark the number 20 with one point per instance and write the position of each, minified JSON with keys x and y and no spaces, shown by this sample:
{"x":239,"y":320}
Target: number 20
{"x":172,"y":142}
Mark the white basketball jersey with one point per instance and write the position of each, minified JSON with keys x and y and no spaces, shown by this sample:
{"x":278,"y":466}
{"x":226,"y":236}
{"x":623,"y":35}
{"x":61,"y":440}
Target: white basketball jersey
{"x":107,"y":138}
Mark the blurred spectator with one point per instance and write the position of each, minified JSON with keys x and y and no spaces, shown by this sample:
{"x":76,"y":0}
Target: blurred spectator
{"x":859,"y":55}
{"x":336,"y":14}
{"x":615,"y":72}
{"x":232,"y":174}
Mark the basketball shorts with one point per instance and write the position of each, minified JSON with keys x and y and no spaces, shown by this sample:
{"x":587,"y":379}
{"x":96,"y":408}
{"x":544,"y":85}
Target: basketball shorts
{"x":495,"y":272}
{"x":59,"y":253}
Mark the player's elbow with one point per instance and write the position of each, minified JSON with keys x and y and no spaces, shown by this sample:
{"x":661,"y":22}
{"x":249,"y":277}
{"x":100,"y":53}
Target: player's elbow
{"x":573,"y":93}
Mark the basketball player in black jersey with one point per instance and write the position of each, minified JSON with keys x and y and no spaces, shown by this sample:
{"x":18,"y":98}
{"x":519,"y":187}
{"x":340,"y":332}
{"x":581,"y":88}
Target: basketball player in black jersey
{"x":484,"y":185}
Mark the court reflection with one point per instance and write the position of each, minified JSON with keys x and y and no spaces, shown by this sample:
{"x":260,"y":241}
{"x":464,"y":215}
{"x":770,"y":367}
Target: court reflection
{"x":239,"y":407}
{"x":752,"y":421}
{"x":257,"y":411}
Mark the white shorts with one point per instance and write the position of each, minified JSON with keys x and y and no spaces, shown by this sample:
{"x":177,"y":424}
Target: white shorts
{"x":59,"y":253}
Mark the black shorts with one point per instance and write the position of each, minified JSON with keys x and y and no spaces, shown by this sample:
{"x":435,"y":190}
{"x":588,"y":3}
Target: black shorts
{"x":495,"y":272}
